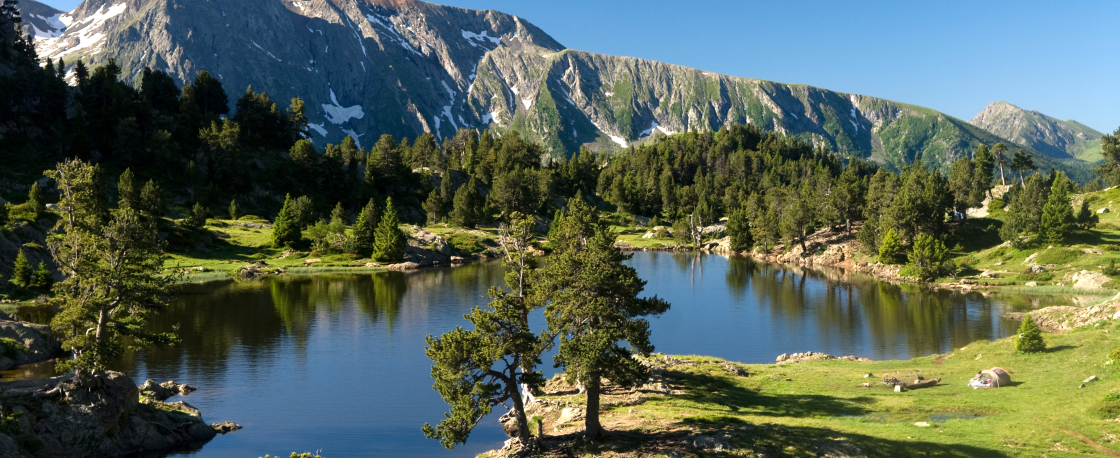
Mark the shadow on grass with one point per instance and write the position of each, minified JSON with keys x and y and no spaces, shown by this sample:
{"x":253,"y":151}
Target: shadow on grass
{"x":710,"y":390}
{"x":1058,"y":348}
{"x":771,"y":439}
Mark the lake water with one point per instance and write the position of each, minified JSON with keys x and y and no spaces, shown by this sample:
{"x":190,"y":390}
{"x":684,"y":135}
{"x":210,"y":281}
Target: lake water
{"x":336,"y":363}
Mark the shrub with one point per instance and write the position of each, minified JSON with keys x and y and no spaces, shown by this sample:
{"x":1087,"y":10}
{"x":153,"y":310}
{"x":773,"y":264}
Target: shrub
{"x":1114,"y":355}
{"x":1110,"y":268}
{"x":1108,"y":406}
{"x":996,"y":205}
{"x":930,"y":258}
{"x":1029,"y":338}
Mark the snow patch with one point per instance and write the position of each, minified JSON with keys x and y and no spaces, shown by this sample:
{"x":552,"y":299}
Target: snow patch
{"x":447,"y":112}
{"x":854,"y":113}
{"x":317,"y":128}
{"x":355,"y":136}
{"x":338,"y":114}
{"x":491,"y":117}
{"x":854,"y":125}
{"x":527,"y":103}
{"x":514,"y":89}
{"x":657,"y":127}
{"x":56,"y":27}
{"x":450,"y":92}
{"x":87,"y":36}
{"x":476,"y":39}
{"x":621,"y":141}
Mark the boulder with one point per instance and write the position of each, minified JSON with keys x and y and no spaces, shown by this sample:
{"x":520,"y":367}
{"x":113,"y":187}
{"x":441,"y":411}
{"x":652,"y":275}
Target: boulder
{"x":165,"y":390}
{"x":711,"y":443}
{"x":570,"y":415}
{"x":33,"y":343}
{"x":1037,"y":269}
{"x":1089,"y":280}
{"x":1104,"y":210}
{"x":225,"y":427}
{"x":429,"y":241}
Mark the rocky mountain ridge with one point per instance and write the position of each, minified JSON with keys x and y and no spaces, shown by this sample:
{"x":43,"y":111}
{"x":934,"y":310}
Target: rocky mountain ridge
{"x":1050,"y":136}
{"x":404,"y":67}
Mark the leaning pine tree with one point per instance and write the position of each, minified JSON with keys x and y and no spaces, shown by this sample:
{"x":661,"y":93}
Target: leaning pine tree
{"x":595,"y":310}
{"x":389,"y":242}
{"x":111,"y":267}
{"x":475,"y":370}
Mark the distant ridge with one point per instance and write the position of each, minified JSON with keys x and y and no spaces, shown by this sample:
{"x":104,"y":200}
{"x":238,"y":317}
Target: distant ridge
{"x":1047,"y":135}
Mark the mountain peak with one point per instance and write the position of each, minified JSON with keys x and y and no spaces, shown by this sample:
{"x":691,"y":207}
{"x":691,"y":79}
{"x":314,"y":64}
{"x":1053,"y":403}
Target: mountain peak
{"x":1045,"y":134}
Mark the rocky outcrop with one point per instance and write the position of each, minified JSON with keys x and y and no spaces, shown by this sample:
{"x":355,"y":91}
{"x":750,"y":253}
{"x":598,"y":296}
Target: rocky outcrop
{"x":25,"y":343}
{"x":104,"y":416}
{"x":812,"y":356}
{"x":1065,"y":318}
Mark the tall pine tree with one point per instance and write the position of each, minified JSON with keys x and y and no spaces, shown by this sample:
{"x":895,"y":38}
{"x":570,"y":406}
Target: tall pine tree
{"x":389,"y":242}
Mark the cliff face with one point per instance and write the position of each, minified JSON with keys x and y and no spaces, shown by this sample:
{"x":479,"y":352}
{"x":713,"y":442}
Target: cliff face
{"x":1045,"y":134}
{"x":404,"y":67}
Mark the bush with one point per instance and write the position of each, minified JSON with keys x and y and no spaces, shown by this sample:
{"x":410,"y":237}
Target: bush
{"x":1114,"y":355}
{"x":1029,"y":338}
{"x":930,"y":258}
{"x":1110,"y":268}
{"x":996,"y":205}
{"x":1108,"y":406}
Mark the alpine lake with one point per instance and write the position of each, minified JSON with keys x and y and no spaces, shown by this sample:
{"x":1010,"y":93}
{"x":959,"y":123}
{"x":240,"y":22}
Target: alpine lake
{"x":336,"y":363}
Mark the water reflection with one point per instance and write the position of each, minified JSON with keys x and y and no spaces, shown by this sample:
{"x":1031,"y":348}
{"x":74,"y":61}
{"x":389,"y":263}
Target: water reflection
{"x":337,"y":361}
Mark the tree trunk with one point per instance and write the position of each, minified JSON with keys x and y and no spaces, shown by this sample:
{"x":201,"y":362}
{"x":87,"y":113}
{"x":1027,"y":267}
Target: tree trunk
{"x":1021,"y":183}
{"x":519,"y":416}
{"x":102,"y":325}
{"x":1002,"y":180}
{"x":592,"y":428}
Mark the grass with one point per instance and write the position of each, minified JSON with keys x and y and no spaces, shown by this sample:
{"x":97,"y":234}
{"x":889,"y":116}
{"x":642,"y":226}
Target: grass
{"x":790,"y":409}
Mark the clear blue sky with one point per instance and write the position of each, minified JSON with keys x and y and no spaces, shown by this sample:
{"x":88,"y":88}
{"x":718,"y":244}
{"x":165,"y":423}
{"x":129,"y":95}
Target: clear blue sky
{"x":1060,"y":58}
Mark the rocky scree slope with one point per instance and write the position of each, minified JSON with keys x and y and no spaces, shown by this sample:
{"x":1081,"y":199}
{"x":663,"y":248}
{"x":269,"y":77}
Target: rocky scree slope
{"x":404,"y":67}
{"x":1047,"y":135}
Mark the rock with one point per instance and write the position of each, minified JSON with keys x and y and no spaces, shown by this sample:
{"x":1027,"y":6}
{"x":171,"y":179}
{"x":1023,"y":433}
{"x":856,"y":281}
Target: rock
{"x":1037,"y":269}
{"x":868,"y":375}
{"x":570,"y":415}
{"x":404,"y":266}
{"x":457,"y":259}
{"x":1031,"y":283}
{"x":429,"y":241}
{"x":251,"y":225}
{"x":989,"y":274}
{"x":102,"y":416}
{"x":1030,"y":258}
{"x":1082,"y":386}
{"x":711,"y":443}
{"x":1092,"y":378}
{"x":165,"y":390}
{"x":1089,"y":280}
{"x":898,"y":389}
{"x":921,"y":424}
{"x":36,"y":343}
{"x":735,"y":370}
{"x":781,"y":358}
{"x":1104,"y":210}
{"x":1061,"y":318}
{"x":1092,"y":251}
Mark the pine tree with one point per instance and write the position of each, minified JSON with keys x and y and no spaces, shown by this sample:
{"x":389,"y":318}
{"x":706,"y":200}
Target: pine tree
{"x":35,"y":198}
{"x":42,"y":278}
{"x":233,"y":209}
{"x":151,"y":199}
{"x":286,"y":230}
{"x":1029,"y":339}
{"x":303,"y":154}
{"x":889,"y":247}
{"x":338,"y":215}
{"x":595,"y":307}
{"x":21,"y":271}
{"x":477,"y":369}
{"x":982,"y":171}
{"x":433,"y":206}
{"x":389,"y":242}
{"x":468,"y":203}
{"x":198,"y":216}
{"x":1057,"y":215}
{"x":363,"y":233}
{"x":739,"y":230}
{"x":446,"y":192}
{"x":126,"y":190}
{"x":930,"y":257}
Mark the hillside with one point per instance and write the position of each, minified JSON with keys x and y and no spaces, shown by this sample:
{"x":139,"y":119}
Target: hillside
{"x":1047,"y":135}
{"x":367,"y":67}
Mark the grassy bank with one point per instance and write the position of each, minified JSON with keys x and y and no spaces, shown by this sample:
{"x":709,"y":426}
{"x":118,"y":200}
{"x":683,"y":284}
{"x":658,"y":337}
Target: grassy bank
{"x":818,"y":407}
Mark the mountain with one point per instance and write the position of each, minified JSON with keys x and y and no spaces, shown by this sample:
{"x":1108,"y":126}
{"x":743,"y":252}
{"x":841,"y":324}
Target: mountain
{"x":41,"y":21}
{"x":403,"y":67}
{"x":1047,"y":135}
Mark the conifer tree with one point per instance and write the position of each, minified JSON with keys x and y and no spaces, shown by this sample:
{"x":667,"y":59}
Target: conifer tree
{"x":475,"y":370}
{"x":286,"y":231}
{"x":364,"y":230}
{"x":468,"y":203}
{"x":1029,"y":339}
{"x":389,"y":242}
{"x":151,"y":199}
{"x":35,"y":198}
{"x":198,"y":216}
{"x":433,"y":206}
{"x":21,"y":271}
{"x":126,"y":190}
{"x":982,"y":171}
{"x":739,"y":230}
{"x":233,"y":209}
{"x":42,"y":279}
{"x":930,"y":257}
{"x":594,"y":307}
{"x":5,"y":213}
{"x":1057,"y":215}
{"x":446,"y":191}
